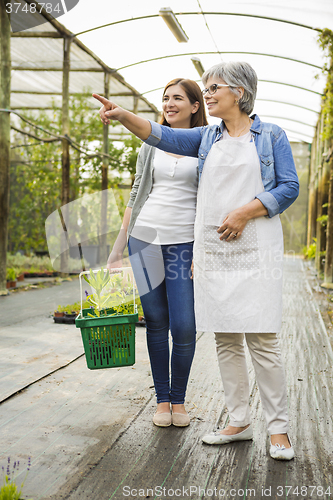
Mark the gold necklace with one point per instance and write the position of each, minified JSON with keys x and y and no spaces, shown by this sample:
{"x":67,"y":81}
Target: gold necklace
{"x":245,"y":127}
{"x":241,"y":130}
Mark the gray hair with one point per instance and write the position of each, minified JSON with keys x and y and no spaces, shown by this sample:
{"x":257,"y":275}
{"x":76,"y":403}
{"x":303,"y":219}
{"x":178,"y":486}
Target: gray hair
{"x":236,"y":74}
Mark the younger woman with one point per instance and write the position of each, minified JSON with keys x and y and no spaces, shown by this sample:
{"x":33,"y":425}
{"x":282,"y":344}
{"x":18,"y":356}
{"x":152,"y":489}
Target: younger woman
{"x":159,"y":221}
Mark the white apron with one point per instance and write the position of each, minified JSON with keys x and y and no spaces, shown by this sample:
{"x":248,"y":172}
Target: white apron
{"x":237,"y":284}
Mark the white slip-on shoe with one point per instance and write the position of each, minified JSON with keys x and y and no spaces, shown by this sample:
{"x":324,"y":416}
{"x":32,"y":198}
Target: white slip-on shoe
{"x":279,"y":452}
{"x":218,"y":438}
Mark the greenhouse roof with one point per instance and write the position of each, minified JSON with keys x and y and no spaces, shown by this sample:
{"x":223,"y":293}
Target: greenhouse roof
{"x":279,"y":39}
{"x":37,"y":67}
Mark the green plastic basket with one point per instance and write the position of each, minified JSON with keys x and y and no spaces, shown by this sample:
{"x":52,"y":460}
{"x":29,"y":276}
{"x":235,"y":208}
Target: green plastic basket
{"x":108,"y":341}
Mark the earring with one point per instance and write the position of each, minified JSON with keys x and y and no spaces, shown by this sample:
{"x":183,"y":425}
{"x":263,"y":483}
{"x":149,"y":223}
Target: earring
{"x":237,"y":102}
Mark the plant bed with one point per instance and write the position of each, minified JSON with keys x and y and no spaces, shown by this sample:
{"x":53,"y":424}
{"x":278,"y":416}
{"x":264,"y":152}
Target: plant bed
{"x":44,"y":274}
{"x":65,"y":318}
{"x":67,"y":314}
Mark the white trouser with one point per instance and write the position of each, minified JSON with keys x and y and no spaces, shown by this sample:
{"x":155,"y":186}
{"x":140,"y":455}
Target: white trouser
{"x":268,"y":367}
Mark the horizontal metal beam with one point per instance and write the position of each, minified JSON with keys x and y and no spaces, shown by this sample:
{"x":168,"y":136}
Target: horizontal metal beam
{"x":86,"y":94}
{"x":220,"y":52}
{"x":41,"y":108}
{"x":29,"y":68}
{"x":140,"y":18}
{"x":36,"y":34}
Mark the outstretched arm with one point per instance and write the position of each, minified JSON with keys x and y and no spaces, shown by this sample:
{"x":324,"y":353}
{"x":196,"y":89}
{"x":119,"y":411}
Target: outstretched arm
{"x":135,"y":124}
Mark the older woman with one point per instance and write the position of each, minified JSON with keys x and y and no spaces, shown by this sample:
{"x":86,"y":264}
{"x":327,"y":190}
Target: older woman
{"x":248,"y":178}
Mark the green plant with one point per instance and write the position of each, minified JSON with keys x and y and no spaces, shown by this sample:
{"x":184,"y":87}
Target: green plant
{"x":323,"y":220}
{"x":10,"y":490}
{"x":10,"y":274}
{"x":325,"y":40}
{"x":29,"y":263}
{"x":310,"y":251}
{"x":116,"y":294}
{"x":139,"y":306}
{"x":61,"y":309}
{"x":18,"y":270}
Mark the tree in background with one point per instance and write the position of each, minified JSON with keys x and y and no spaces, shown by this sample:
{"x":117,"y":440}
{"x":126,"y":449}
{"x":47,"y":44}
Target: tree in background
{"x":35,"y":177}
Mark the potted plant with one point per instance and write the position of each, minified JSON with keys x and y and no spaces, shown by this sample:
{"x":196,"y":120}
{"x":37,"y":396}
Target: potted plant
{"x":70,"y":314}
{"x":60,"y":312}
{"x":11,"y":277}
{"x":67,"y":314}
{"x":108,"y":325}
{"x":19,"y":273}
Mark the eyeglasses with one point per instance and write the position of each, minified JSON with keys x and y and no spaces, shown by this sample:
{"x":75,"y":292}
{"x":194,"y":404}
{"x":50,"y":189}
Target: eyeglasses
{"x":213,"y":88}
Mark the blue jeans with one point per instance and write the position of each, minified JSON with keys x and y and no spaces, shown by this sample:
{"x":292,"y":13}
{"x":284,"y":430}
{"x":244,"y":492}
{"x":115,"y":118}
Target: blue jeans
{"x":162,"y":274}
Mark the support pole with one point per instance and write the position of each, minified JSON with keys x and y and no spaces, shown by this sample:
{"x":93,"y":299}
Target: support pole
{"x":328,"y":273}
{"x":65,"y":159}
{"x":320,"y":232}
{"x":5,"y":73}
{"x":135,"y":104}
{"x":103,"y":253}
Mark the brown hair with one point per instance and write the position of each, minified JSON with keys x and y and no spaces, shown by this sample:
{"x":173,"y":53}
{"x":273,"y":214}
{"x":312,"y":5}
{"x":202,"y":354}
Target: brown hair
{"x":193,"y":92}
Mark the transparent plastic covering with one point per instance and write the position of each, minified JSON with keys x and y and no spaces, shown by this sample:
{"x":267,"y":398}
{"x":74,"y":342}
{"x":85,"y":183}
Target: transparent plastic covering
{"x":278,"y":38}
{"x":37,"y":46}
{"x":280,"y":43}
{"x":75,"y":232}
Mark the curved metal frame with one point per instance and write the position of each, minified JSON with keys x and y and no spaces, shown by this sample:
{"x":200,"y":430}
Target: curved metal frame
{"x":204,"y":14}
{"x":220,"y":52}
{"x":289,"y":119}
{"x":264,"y":81}
{"x":231,"y":52}
{"x":289,"y":104}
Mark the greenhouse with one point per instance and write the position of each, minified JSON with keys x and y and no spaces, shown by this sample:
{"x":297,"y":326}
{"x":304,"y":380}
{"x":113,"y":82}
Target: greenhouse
{"x":68,"y":428}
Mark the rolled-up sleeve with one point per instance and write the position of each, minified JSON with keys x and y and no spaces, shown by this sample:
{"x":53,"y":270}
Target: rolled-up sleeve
{"x":278,"y":199}
{"x":269,"y":202}
{"x":155,"y":135}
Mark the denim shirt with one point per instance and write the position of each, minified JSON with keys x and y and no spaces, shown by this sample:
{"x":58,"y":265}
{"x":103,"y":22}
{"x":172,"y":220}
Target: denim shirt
{"x":278,"y":171}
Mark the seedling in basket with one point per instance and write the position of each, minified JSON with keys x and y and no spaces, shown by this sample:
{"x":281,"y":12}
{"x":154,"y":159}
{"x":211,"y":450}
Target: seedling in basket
{"x":115,"y":296}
